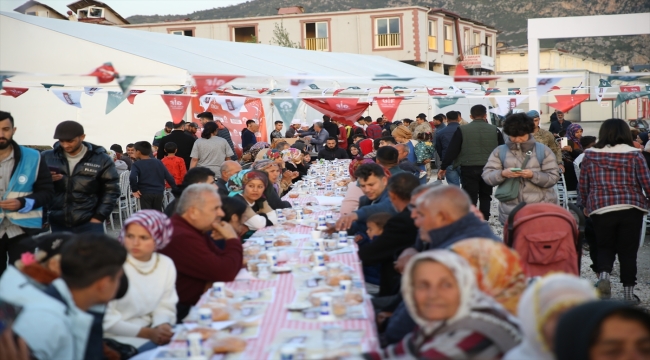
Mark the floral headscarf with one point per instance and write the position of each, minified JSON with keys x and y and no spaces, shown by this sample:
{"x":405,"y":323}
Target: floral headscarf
{"x":293,"y":155}
{"x":261,"y":165}
{"x":158,"y":224}
{"x":354,"y":165}
{"x":257,"y":147}
{"x":571,"y":134}
{"x":273,"y":155}
{"x":237,"y":182}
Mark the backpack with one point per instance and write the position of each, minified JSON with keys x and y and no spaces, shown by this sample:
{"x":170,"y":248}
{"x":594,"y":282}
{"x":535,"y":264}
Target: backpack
{"x":539,"y":151}
{"x":546,"y":237}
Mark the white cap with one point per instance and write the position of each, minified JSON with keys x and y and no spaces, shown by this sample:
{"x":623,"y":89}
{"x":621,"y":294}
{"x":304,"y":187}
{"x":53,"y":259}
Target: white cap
{"x":296,"y":122}
{"x":304,"y":125}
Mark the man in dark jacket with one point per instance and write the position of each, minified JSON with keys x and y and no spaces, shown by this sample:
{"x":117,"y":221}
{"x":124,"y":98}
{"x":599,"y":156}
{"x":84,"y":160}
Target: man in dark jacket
{"x":330,"y":126}
{"x":559,"y":125}
{"x":331,"y":151}
{"x":86,"y":183}
{"x":248,"y":137}
{"x":183,"y":142}
{"x":191,"y":128}
{"x":443,"y":139}
{"x":25,"y":187}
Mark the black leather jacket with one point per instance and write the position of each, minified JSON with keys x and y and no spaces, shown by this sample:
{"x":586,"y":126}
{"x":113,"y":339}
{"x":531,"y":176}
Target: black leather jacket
{"x":90,"y":190}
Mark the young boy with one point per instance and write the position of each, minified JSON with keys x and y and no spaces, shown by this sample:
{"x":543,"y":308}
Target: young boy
{"x":277,"y":133}
{"x":148,"y":176}
{"x":375,"y":224}
{"x":174,"y":164}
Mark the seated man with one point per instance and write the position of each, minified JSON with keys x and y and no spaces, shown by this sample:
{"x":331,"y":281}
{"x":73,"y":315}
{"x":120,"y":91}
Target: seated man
{"x":56,"y":323}
{"x":387,"y":157}
{"x":398,"y":234}
{"x":372,"y":180}
{"x":331,"y":151}
{"x":197,"y":259}
{"x":228,"y":169}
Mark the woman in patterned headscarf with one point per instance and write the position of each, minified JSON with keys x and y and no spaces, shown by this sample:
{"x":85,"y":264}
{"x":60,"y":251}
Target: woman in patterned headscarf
{"x":250,"y":186}
{"x":280,"y":184}
{"x":152,"y":284}
{"x":570,"y":153}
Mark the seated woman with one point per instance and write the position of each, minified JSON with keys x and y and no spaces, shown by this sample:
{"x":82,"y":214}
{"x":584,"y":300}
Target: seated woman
{"x":293,"y":162}
{"x":455,"y":319}
{"x":603,"y":330}
{"x":278,"y":186}
{"x":570,"y":153}
{"x":542,"y":304}
{"x":256,"y":151}
{"x":351,"y":200}
{"x":250,"y":186}
{"x":144,"y":317}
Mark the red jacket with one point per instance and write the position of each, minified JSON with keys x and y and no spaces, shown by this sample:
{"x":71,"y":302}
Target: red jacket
{"x":176,"y":167}
{"x":343,"y":138}
{"x":199,"y":261}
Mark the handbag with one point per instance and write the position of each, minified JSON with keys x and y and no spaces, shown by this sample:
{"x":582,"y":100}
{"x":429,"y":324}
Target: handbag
{"x":509,"y":189}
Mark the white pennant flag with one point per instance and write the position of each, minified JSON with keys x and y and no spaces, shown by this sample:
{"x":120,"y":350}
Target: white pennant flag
{"x":601,"y":93}
{"x":231,"y":104}
{"x":296,"y":86}
{"x":205,"y":101}
{"x":69,"y":97}
{"x":90,"y":91}
{"x":324,"y":91}
{"x":545,"y":84}
{"x":413,"y":90}
{"x":507,"y":103}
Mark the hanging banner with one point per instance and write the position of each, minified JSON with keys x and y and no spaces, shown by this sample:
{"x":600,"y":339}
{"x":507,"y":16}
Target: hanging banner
{"x":208,"y":83}
{"x":69,"y":97}
{"x":114,"y":99}
{"x":347,"y":114}
{"x":389,"y":105}
{"x":177,"y":106}
{"x":625,"y":96}
{"x":231,"y":104}
{"x":630,"y":88}
{"x":565,"y":103}
{"x":90,"y":91}
{"x":507,"y":103}
{"x":14,"y":92}
{"x":342,"y":104}
{"x":287,"y":109}
{"x":544,"y":85}
{"x":446,"y":101}
{"x":462,"y":75}
{"x":296,"y":86}
{"x":133,"y":94}
{"x":104,"y":74}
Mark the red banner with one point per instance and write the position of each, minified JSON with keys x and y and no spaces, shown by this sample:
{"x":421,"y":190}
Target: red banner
{"x":252,"y":109}
{"x":208,"y":83}
{"x":342,"y":104}
{"x":104,"y":74}
{"x":177,"y":105}
{"x":630,"y":88}
{"x":389,"y":105}
{"x":347,"y":115}
{"x":567,"y":102}
{"x":133,"y":94}
{"x":14,"y":92}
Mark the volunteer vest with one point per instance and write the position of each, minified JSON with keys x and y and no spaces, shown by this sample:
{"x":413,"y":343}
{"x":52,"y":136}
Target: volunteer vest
{"x":21,"y":185}
{"x":479,"y":140}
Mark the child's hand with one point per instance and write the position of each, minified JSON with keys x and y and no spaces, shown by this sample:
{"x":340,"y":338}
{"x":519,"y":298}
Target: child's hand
{"x":137,"y":194}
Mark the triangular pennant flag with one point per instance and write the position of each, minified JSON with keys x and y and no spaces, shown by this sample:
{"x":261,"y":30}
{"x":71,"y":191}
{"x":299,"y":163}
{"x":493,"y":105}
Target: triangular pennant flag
{"x":133,"y":94}
{"x":575,"y":89}
{"x":4,"y":78}
{"x":14,"y":92}
{"x":273,"y":91}
{"x":384,"y":87}
{"x":114,"y":99}
{"x":48,"y":86}
{"x":208,"y":83}
{"x":174,"y":92}
{"x":625,"y":96}
{"x":314,"y":87}
{"x":630,"y":88}
{"x":565,"y":103}
{"x":389,"y":105}
{"x":462,"y":75}
{"x":507,"y":103}
{"x":601,"y":93}
{"x":296,"y":86}
{"x":492,"y":91}
{"x":90,"y":91}
{"x":125,"y":83}
{"x":353,"y":88}
{"x":287,"y":109}
{"x":177,"y":106}
{"x":514,"y":91}
{"x":324,"y":91}
{"x":236,"y":88}
{"x":70,"y":97}
{"x":205,"y":101}
{"x":554,"y":88}
{"x":433,"y":92}
{"x":337,"y":91}
{"x":399,"y":88}
{"x":262,"y":90}
{"x":105,"y":73}
{"x":604,"y":83}
{"x":231,"y":104}
{"x":447,"y":101}
{"x":546,"y":84}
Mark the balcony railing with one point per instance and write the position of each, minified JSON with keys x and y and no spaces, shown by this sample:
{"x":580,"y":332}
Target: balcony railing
{"x":433,"y":43}
{"x":482,"y":49}
{"x":449,"y":46}
{"x":388,"y":40}
{"x":318,"y":44}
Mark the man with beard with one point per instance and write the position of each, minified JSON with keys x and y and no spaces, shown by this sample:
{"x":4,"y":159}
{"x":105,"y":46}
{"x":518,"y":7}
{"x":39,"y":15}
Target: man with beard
{"x":86,"y":183}
{"x":25,"y":186}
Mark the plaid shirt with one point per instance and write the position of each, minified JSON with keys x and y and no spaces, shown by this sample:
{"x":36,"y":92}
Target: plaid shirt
{"x":614,"y":178}
{"x":373,"y":131}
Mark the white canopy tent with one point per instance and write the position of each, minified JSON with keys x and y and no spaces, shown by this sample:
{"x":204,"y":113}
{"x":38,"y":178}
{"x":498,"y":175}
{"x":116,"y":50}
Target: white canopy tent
{"x":55,"y":51}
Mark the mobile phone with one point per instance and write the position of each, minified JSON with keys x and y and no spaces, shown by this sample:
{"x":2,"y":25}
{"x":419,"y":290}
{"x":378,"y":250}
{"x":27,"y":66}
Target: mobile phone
{"x":515,"y":169}
{"x":564,"y":141}
{"x":54,"y":169}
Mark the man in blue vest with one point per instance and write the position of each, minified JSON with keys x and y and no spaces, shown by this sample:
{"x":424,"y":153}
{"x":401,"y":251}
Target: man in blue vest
{"x":25,"y":186}
{"x":470,"y":147}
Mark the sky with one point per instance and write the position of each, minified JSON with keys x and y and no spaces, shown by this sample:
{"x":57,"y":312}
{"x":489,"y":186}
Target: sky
{"x":128,"y":8}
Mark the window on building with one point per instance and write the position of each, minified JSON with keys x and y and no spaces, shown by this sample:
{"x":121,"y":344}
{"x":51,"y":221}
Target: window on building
{"x":433,"y":39}
{"x":466,"y":39}
{"x":90,"y":12}
{"x":183,"y":32}
{"x":244,"y":34}
{"x":388,"y":32}
{"x":476,"y":44}
{"x":449,"y":36}
{"x":488,"y":46}
{"x":316,"y":36}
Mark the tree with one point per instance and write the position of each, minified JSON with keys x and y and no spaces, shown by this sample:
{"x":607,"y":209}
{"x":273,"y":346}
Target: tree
{"x":281,"y":37}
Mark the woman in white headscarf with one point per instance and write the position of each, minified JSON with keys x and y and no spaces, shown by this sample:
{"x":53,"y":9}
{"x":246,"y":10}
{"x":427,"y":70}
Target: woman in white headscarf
{"x":540,"y":308}
{"x":455,"y":319}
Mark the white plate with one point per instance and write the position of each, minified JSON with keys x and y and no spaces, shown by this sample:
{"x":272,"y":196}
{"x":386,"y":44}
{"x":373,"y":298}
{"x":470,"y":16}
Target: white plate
{"x":299,"y":306}
{"x":281,"y":269}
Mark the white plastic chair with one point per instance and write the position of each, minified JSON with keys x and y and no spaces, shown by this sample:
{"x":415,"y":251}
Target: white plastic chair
{"x":565,"y":196}
{"x":122,"y":208}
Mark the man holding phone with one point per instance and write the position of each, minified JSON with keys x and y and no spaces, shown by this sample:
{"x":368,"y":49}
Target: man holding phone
{"x":25,"y":186}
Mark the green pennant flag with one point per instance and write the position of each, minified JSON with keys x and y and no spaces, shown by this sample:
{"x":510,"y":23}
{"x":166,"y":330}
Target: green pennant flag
{"x":114,"y":99}
{"x":125,"y":83}
{"x":287,"y":109}
{"x":514,"y":91}
{"x":353,"y":88}
{"x":314,"y":87}
{"x":233,"y":87}
{"x":483,"y":89}
{"x":604,"y":83}
{"x":47,"y":86}
{"x":622,"y":97}
{"x":3,"y":78}
{"x":173,"y":92}
{"x":273,"y":91}
{"x":647,"y":88}
{"x":444,"y":102}
{"x":399,"y":87}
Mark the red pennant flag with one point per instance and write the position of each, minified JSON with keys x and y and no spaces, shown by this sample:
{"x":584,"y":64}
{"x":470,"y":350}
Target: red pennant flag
{"x":554,"y":88}
{"x":630,"y":88}
{"x":14,"y":92}
{"x":104,"y":74}
{"x":177,"y":105}
{"x":433,"y":92}
{"x":384,"y":87}
{"x":389,"y":105}
{"x":133,"y":94}
{"x":567,"y":102}
{"x":207,"y":83}
{"x":337,"y":91}
{"x":462,"y":75}
{"x":262,"y":90}
{"x":341,"y":111}
{"x":342,"y":104}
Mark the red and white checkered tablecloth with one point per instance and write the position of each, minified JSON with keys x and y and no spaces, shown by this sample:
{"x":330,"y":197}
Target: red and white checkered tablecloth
{"x":275,"y":317}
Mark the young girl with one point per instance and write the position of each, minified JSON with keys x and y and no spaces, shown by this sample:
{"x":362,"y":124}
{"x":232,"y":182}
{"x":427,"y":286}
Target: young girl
{"x":424,"y":152}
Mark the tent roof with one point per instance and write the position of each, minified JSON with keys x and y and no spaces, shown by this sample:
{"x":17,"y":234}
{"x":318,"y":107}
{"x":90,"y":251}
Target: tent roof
{"x":264,"y":62}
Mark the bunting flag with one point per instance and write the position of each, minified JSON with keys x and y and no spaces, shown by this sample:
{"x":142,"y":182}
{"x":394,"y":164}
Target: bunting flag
{"x":273,"y":91}
{"x":114,"y":99}
{"x":287,"y":109}
{"x":125,"y":83}
{"x":324,"y":91}
{"x":236,"y":88}
{"x":174,"y":92}
{"x":342,"y":104}
{"x":385,"y":87}
{"x":389,"y":105}
{"x":544,"y":85}
{"x":208,"y":83}
{"x":447,"y":101}
{"x":177,"y":106}
{"x":262,"y":90}
{"x":462,"y":75}
{"x":14,"y":92}
{"x":555,"y":88}
{"x":105,"y":73}
{"x":70,"y":97}
{"x":492,"y":91}
{"x":342,"y":112}
{"x":337,"y":91}
{"x":48,"y":86}
{"x":353,"y":88}
{"x":433,"y":92}
{"x":400,"y":88}
{"x":602,"y":89}
{"x":314,"y":87}
{"x":565,"y":103}
{"x":630,"y":88}
{"x":296,"y":86}
{"x":4,"y":78}
{"x":575,"y":89}
{"x":205,"y":101}
{"x":392,"y":77}
{"x":90,"y":91}
{"x":231,"y":104}
{"x":507,"y":103}
{"x":514,"y":91}
{"x":133,"y":94}
{"x":626,"y":96}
